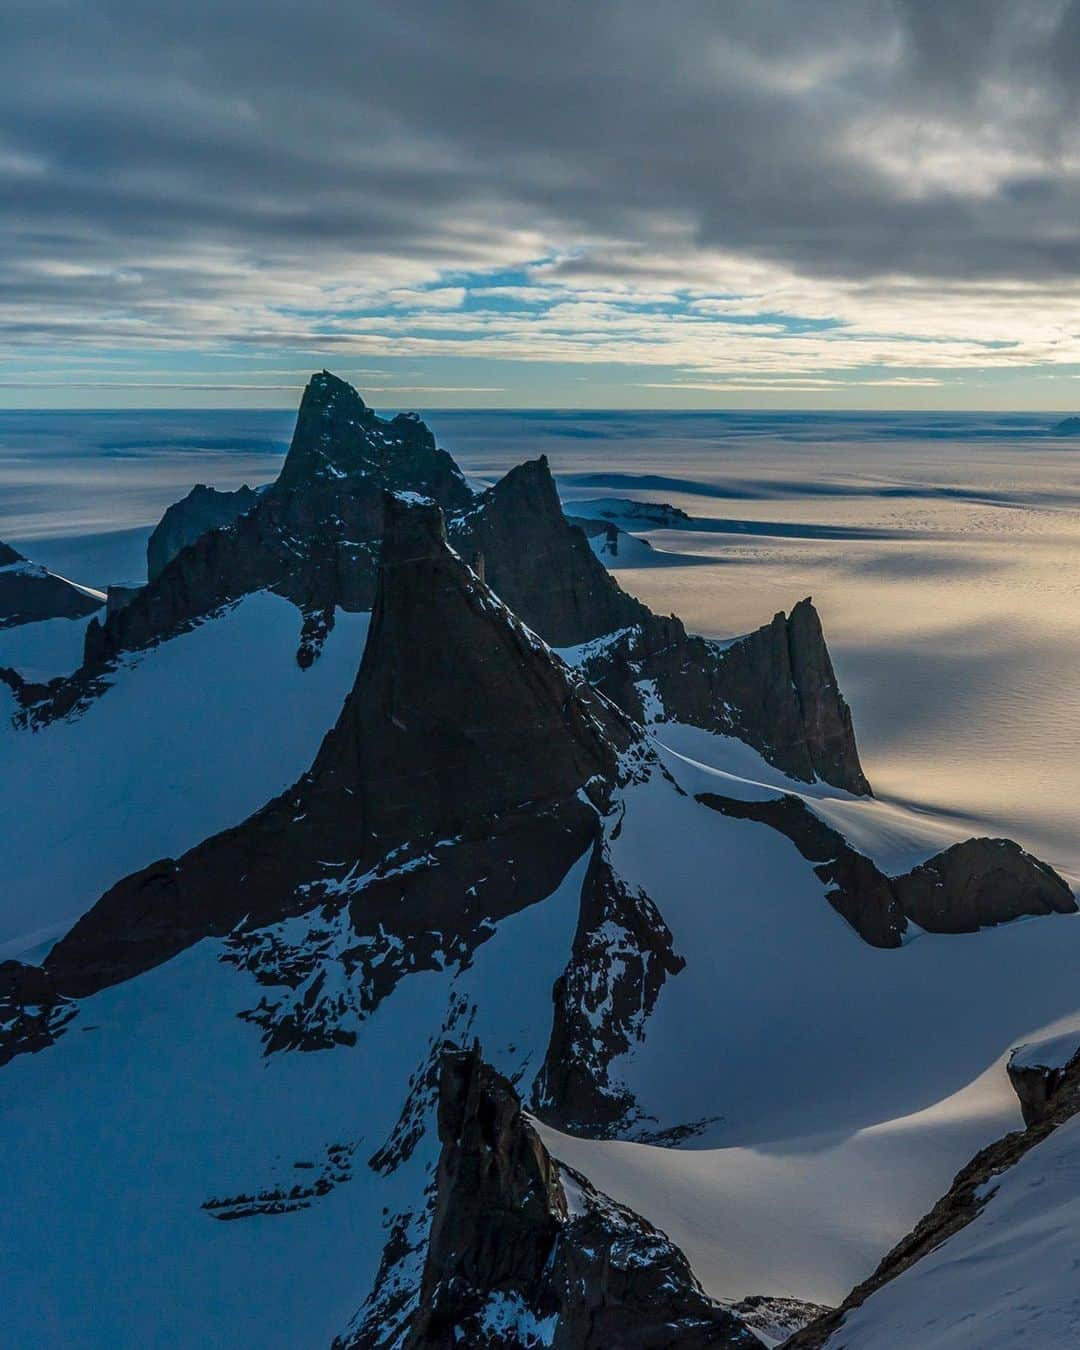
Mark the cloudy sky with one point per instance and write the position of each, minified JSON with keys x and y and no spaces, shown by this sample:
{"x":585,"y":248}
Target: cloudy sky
{"x":580,"y":203}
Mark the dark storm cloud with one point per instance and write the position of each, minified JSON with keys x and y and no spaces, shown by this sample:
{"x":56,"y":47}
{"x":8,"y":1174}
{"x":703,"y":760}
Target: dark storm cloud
{"x":156,"y":158}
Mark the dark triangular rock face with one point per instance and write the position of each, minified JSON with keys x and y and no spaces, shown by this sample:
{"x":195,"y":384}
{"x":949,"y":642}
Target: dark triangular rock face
{"x":523,"y":1252}
{"x":462,"y":729}
{"x":974,"y":884}
{"x":541,"y":565}
{"x":203,"y":509}
{"x":30,"y":593}
{"x":458,"y":709}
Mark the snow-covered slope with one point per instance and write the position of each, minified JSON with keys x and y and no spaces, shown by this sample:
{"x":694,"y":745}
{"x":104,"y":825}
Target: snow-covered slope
{"x":30,"y":593}
{"x":193,"y":735}
{"x":1008,"y":1279}
{"x":813,"y":1067}
{"x":162,"y":1101}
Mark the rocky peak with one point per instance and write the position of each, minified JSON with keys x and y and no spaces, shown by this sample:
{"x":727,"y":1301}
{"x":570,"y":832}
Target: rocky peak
{"x":540,"y":564}
{"x":525,"y":1253}
{"x":825,"y":716}
{"x":459,"y":711}
{"x":338,"y":437}
{"x":8,"y":555}
{"x":204,"y":508}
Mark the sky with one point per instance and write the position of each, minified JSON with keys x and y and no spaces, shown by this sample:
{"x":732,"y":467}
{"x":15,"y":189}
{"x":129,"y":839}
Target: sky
{"x":615,"y":204}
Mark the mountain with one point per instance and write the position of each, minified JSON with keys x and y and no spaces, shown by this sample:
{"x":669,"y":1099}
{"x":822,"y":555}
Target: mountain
{"x":313,"y":537}
{"x":30,"y":593}
{"x":203,"y":509}
{"x":245,"y":1045}
{"x":186,"y":672}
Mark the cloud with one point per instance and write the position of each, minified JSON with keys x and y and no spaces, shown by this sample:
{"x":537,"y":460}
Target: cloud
{"x":720,"y":189}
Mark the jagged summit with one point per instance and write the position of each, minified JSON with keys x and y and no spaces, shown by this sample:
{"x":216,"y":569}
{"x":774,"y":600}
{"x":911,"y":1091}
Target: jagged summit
{"x":8,"y":555}
{"x":338,"y":436}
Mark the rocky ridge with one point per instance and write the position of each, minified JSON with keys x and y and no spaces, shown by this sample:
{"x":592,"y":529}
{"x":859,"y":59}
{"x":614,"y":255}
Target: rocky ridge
{"x":974,"y":884}
{"x":204,"y":508}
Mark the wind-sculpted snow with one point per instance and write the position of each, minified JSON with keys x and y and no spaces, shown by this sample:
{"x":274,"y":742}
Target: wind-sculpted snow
{"x":993,"y":1262}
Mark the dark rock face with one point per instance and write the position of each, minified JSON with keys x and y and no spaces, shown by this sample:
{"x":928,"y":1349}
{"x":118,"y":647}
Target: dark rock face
{"x":972,"y":885}
{"x":982,"y":882}
{"x":540,"y":564}
{"x":457,"y":710}
{"x":1037,"y":1078}
{"x":781,"y":689}
{"x":965,"y":1198}
{"x":461,"y":728}
{"x":775,"y":689}
{"x":204,"y":508}
{"x":623,"y":953}
{"x":32,"y":1013}
{"x":30,"y":593}
{"x":513,"y":1261}
{"x":312,"y":536}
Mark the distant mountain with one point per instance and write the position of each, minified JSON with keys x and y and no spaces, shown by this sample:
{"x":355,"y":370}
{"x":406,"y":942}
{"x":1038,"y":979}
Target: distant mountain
{"x":30,"y":593}
{"x":203,"y":509}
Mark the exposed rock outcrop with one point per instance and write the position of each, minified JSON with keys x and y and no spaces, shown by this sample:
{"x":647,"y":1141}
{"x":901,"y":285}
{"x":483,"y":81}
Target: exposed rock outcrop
{"x":775,"y":689}
{"x":540,"y":564}
{"x":204,"y":508}
{"x":974,"y":884}
{"x":622,"y":955}
{"x":30,"y":593}
{"x":970,"y":1191}
{"x":1038,"y":1073}
{"x":525,"y":1253}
